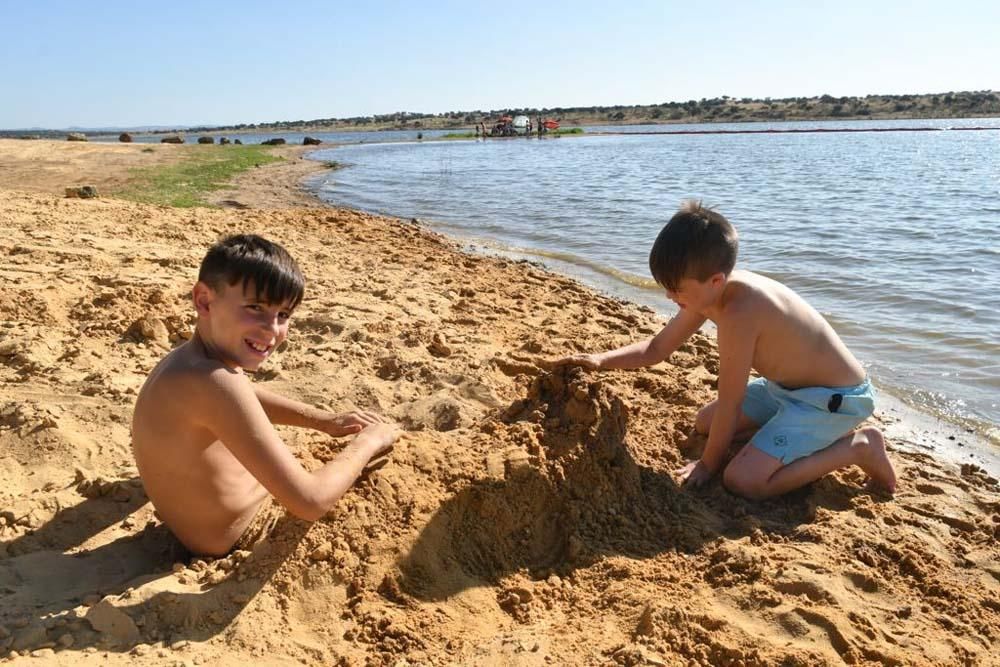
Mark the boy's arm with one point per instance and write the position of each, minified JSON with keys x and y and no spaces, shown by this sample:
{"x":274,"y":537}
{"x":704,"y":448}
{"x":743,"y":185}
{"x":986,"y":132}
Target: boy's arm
{"x":737,"y":337}
{"x":281,"y":410}
{"x":646,"y":352}
{"x":228,"y":407}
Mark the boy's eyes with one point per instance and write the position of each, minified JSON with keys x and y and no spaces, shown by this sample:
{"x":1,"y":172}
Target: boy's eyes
{"x":283,"y":315}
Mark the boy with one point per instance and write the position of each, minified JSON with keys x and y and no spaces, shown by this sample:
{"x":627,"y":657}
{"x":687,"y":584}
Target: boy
{"x":801,"y":414}
{"x":202,"y":433}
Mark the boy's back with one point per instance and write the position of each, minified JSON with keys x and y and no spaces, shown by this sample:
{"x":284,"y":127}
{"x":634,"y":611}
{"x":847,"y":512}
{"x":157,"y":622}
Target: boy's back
{"x":198,"y":487}
{"x":793,"y":344}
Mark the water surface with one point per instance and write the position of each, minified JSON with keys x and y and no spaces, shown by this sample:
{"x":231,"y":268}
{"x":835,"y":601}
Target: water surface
{"x":892,"y":236}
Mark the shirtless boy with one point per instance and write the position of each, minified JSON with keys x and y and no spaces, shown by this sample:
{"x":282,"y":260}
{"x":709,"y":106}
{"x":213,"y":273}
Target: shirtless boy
{"x":801,"y":415}
{"x":202,"y":433}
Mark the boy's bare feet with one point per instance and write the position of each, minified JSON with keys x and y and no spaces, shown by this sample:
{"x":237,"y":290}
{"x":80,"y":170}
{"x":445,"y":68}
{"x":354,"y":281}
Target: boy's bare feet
{"x":874,"y":461}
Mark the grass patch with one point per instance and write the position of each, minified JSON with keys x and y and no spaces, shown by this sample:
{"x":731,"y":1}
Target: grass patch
{"x":568,"y":130}
{"x":185,"y":184}
{"x":460,"y":135}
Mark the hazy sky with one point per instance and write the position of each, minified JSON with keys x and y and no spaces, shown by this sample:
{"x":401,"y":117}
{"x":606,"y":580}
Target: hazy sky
{"x":222,"y":62}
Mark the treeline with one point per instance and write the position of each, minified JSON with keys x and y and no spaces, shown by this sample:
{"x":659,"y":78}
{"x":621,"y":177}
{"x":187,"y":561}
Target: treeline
{"x":968,"y":104}
{"x":725,"y":109}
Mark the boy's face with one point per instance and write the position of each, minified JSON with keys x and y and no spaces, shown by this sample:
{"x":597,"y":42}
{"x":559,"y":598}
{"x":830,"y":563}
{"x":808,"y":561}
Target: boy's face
{"x":241,"y":330}
{"x":697,"y":295}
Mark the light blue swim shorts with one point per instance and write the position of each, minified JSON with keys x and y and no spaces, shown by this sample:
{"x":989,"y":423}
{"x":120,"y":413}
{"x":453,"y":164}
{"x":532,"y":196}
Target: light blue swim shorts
{"x":798,"y":422}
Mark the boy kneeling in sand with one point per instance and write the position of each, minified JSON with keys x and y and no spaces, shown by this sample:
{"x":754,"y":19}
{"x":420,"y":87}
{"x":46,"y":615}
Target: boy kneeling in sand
{"x":202,"y":433}
{"x":800,"y":417}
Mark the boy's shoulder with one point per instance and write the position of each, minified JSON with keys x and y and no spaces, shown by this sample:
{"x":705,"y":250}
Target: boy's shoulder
{"x":186,"y":389}
{"x":190,"y":370}
{"x":746,"y":292}
{"x":753,"y":302}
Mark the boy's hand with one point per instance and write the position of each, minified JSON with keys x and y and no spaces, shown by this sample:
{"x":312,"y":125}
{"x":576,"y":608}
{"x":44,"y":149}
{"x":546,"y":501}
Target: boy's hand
{"x":350,"y":422}
{"x":694,"y":474}
{"x":589,"y":361}
{"x":376,"y":440}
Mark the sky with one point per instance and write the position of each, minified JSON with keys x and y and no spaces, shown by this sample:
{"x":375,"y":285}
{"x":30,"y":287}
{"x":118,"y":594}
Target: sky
{"x":124,"y":64}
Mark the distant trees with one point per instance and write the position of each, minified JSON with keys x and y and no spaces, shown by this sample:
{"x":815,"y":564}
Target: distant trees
{"x":721,"y":108}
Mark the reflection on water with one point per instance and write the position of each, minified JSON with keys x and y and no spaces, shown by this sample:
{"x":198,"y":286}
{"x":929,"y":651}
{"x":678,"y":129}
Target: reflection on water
{"x":893,"y":236}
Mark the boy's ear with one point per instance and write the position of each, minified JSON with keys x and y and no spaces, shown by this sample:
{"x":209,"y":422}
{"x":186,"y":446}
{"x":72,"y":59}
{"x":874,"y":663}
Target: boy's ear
{"x":202,"y":295}
{"x":717,"y":279}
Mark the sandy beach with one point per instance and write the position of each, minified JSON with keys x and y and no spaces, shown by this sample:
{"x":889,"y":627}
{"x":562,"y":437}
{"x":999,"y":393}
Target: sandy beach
{"x":530,"y":518}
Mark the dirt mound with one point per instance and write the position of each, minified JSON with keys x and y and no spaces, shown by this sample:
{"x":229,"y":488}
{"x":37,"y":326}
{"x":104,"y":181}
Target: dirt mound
{"x":562,"y":491}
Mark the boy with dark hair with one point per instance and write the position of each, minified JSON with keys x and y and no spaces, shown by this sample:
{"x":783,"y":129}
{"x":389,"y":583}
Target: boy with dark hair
{"x":801,"y":415}
{"x":202,"y":433}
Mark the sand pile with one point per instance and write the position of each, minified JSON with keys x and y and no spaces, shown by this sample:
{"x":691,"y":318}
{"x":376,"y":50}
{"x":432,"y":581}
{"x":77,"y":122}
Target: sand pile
{"x":558,"y":472}
{"x":530,"y":518}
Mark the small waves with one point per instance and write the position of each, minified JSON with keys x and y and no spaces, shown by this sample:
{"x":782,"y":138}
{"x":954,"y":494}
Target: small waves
{"x":568,"y":259}
{"x":603,"y":269}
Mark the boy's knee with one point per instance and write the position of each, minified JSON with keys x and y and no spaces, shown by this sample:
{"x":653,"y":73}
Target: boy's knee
{"x":741,"y":482}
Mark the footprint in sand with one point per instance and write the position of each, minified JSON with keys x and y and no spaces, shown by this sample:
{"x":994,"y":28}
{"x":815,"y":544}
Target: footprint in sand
{"x":865,"y":582}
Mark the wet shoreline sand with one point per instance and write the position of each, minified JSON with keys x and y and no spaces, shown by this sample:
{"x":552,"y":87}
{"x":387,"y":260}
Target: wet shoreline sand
{"x":529,"y":519}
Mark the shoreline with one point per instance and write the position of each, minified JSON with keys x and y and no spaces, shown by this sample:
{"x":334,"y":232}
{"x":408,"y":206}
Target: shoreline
{"x":527,"y":519}
{"x":274,"y":186}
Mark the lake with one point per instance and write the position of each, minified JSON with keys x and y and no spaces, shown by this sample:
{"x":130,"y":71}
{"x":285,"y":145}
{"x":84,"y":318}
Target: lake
{"x":893,"y":236}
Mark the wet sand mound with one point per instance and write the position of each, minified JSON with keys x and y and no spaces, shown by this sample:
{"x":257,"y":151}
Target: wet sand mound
{"x":558,"y":470}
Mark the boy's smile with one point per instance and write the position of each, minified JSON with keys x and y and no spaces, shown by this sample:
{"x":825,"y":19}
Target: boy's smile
{"x":259,"y":348}
{"x":238,"y":329}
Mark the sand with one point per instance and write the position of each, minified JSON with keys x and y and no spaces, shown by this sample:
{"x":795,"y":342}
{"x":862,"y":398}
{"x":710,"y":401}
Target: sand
{"x":530,"y":518}
{"x":52,"y":166}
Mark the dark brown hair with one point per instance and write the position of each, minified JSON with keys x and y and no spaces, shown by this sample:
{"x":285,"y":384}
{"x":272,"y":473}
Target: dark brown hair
{"x":697,"y":243}
{"x":276,"y":277}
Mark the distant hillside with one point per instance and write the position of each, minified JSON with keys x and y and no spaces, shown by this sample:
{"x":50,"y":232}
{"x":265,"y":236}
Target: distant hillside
{"x":725,"y":109}
{"x":60,"y":133}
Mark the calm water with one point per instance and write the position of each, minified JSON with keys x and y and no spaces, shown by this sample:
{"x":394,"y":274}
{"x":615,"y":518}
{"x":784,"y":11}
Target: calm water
{"x":894,"y":237}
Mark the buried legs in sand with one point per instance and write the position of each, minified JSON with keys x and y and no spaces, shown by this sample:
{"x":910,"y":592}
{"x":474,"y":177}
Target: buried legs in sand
{"x":757,"y":475}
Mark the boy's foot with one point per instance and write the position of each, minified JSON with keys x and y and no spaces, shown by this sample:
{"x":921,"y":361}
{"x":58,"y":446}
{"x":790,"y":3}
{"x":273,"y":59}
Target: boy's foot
{"x":874,"y":460}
